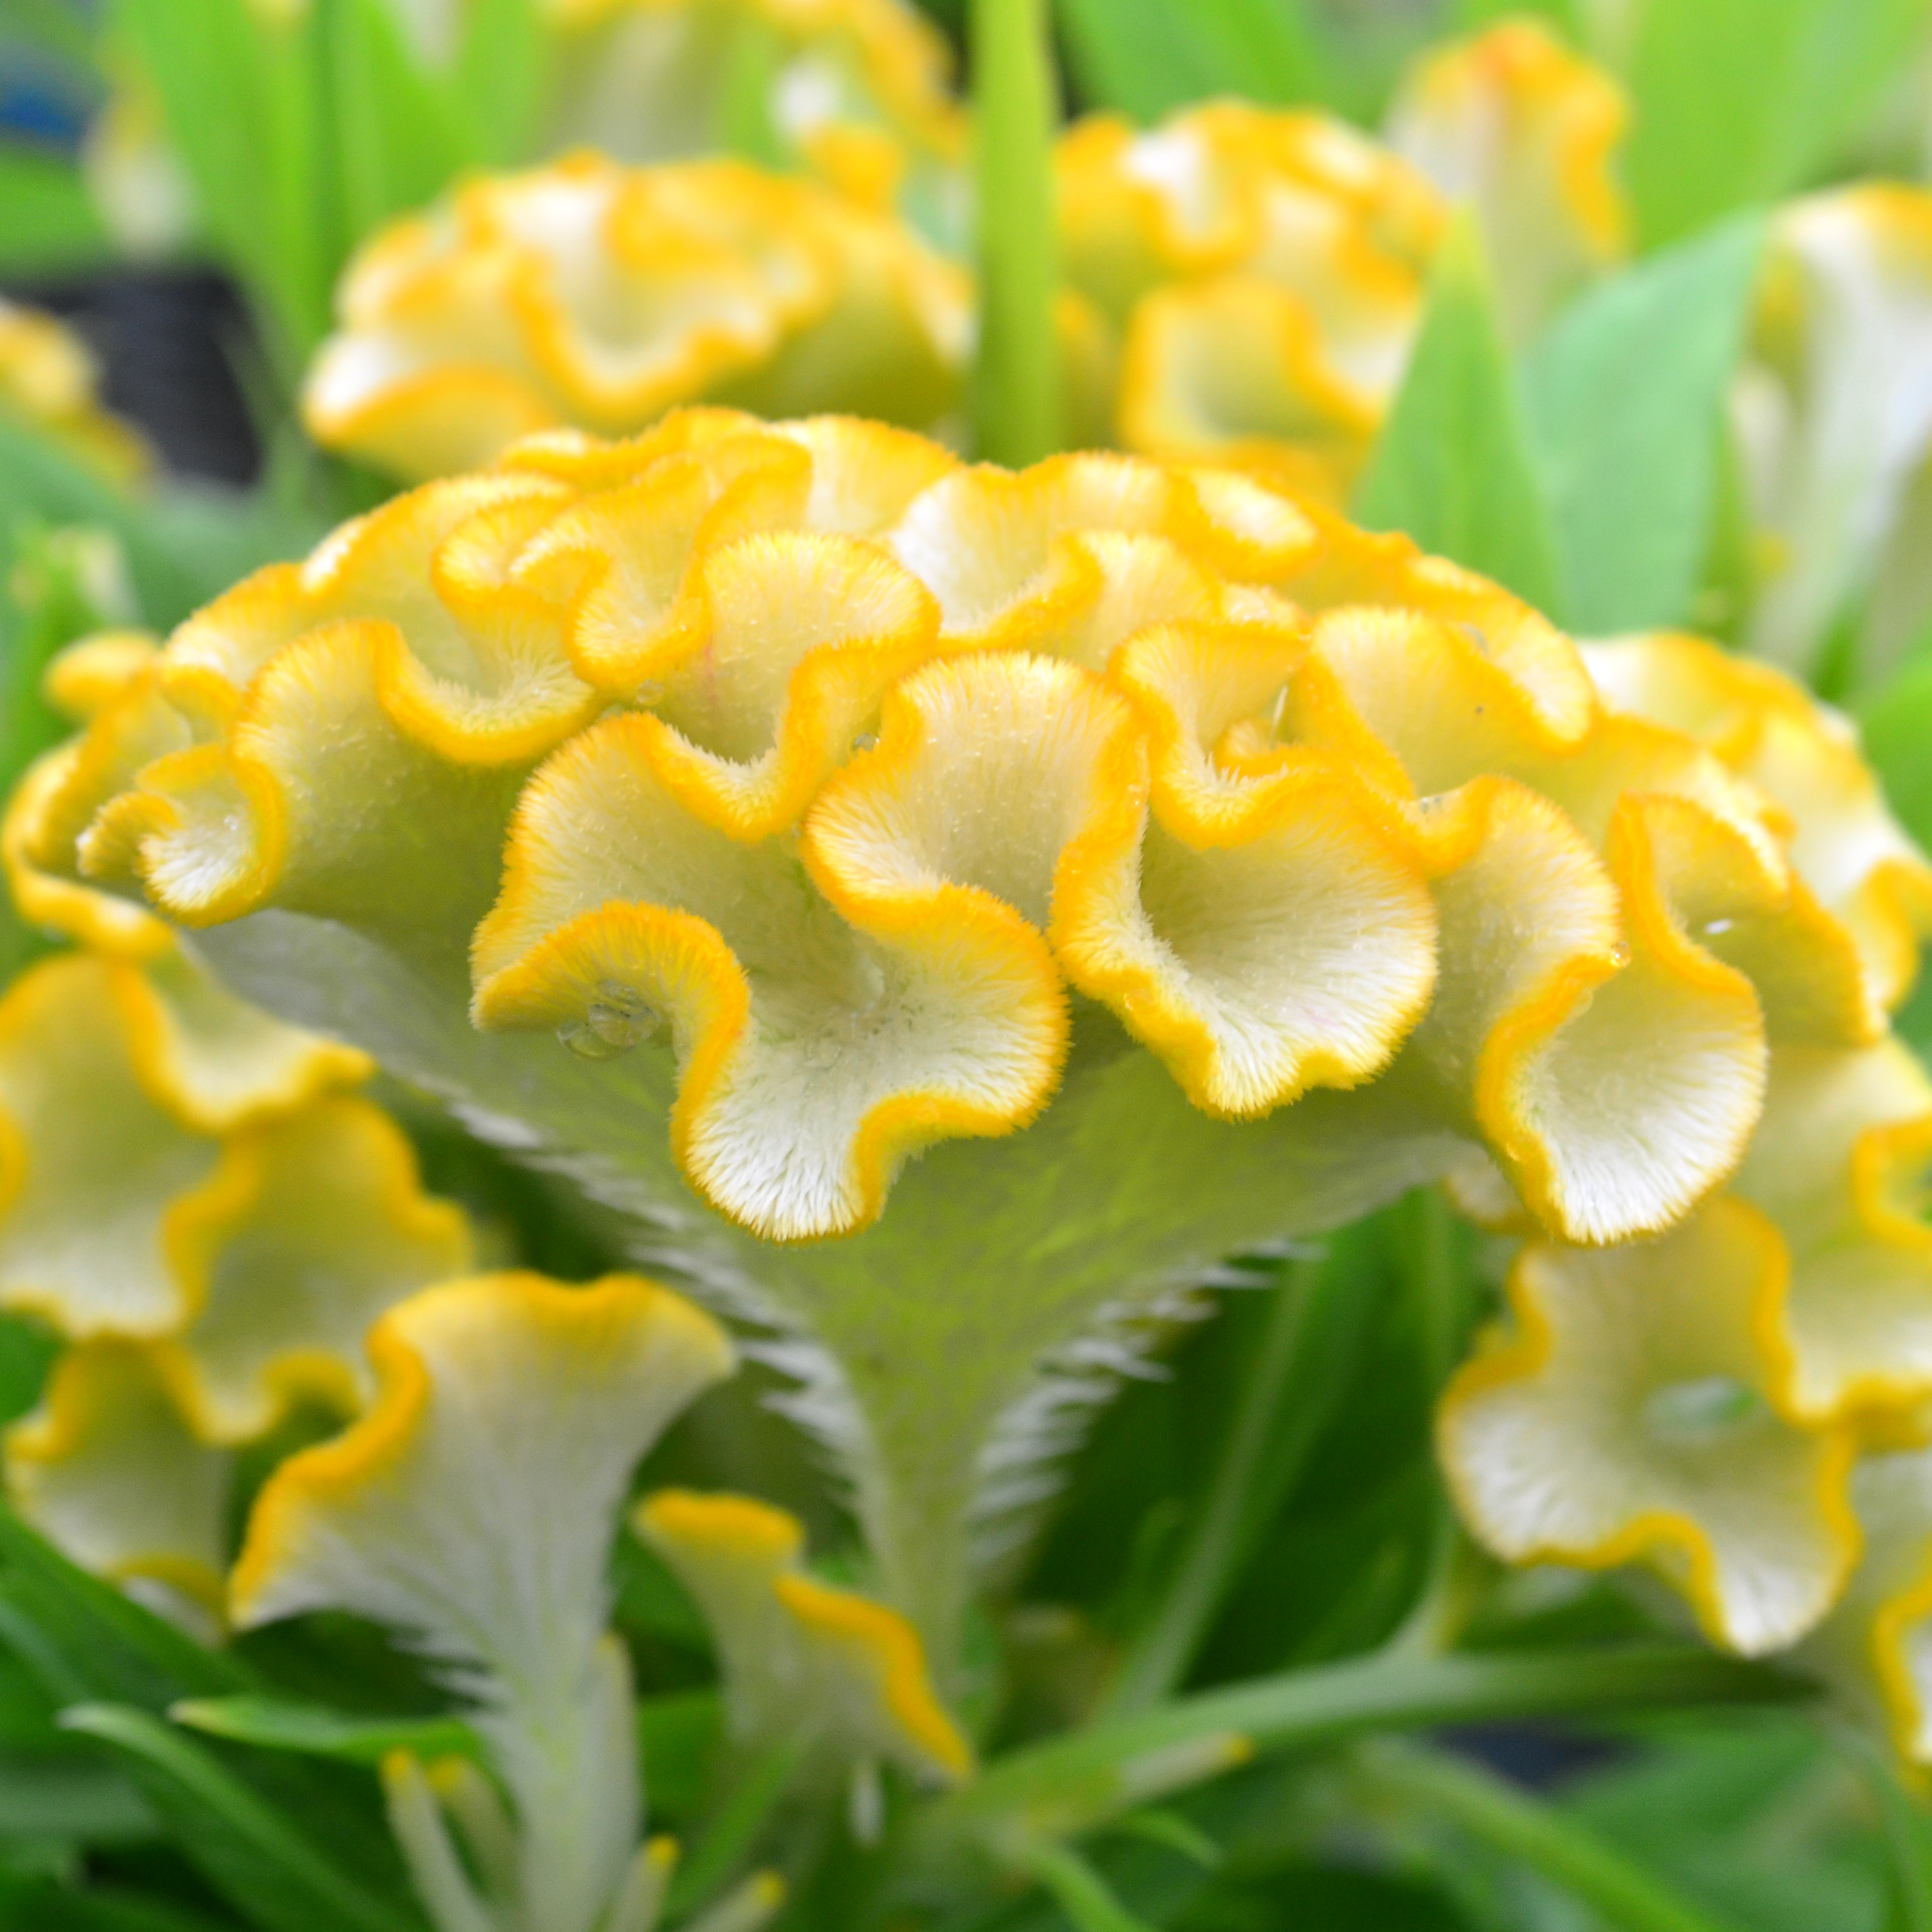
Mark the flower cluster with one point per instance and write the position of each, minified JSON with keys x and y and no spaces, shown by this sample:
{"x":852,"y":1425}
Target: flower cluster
{"x":1260,"y":274}
{"x":1241,"y":283}
{"x":593,"y":294}
{"x":826,"y":800}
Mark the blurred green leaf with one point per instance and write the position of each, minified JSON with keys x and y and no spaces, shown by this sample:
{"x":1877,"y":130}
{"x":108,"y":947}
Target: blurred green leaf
{"x":48,"y":225}
{"x":1453,"y":466}
{"x":70,"y":1797}
{"x":1018,"y":410}
{"x":1625,"y":400}
{"x":678,"y":1736}
{"x":267,"y":1866}
{"x":721,"y":1848}
{"x":502,"y":72}
{"x":1153,"y":55}
{"x":398,"y":137}
{"x":242,"y":95}
{"x":85,"y":1640}
{"x":1078,"y":1890}
{"x":312,"y":1730}
{"x":1896,"y":720}
{"x":1739,"y":101}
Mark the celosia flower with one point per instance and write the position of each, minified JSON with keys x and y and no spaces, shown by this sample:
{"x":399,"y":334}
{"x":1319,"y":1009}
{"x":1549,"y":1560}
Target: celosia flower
{"x":1637,"y":1411}
{"x":1875,"y":1649}
{"x":590,"y":293}
{"x":825,"y":801}
{"x":49,"y":383}
{"x":473,"y":1508}
{"x":1696,"y":1400}
{"x":1527,"y":132}
{"x":1259,"y":275}
{"x":1833,"y":412}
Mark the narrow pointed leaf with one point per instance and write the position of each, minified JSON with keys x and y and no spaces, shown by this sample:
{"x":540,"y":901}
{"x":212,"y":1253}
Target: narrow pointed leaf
{"x":311,"y":1730}
{"x":1626,"y":399}
{"x":1453,"y":466}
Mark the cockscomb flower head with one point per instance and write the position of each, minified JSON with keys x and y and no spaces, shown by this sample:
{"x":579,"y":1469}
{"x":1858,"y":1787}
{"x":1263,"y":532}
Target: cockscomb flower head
{"x":590,"y":293}
{"x":1260,"y":274}
{"x":735,"y":813}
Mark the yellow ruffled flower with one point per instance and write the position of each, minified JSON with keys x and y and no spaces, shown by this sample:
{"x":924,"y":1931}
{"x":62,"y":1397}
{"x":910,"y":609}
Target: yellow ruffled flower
{"x":1258,"y":274}
{"x":592,"y":294}
{"x":1527,"y":133}
{"x":1833,"y":414}
{"x":783,"y":801}
{"x":1697,"y":1400}
{"x":1249,"y":282}
{"x":48,"y":383}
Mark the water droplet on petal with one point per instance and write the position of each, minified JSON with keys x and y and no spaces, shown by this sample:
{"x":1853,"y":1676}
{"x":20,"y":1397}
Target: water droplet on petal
{"x":866,"y":741}
{"x":585,"y":1044}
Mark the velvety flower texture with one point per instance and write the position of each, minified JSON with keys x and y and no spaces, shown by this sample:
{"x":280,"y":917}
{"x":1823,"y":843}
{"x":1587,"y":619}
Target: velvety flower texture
{"x":590,"y":293}
{"x":733,"y":813}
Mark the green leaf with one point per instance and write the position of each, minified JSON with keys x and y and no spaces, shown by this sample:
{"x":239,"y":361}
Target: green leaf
{"x":266,"y":1864}
{"x":1158,"y":55}
{"x":26,"y":1353}
{"x":1453,"y":466}
{"x":70,"y":1797}
{"x":396,"y":135}
{"x":242,"y":98}
{"x":502,"y":72}
{"x":86,"y":1640}
{"x":721,"y":1847}
{"x":1739,"y":101}
{"x":311,"y":1730}
{"x":1018,"y":409}
{"x":1625,"y":399}
{"x":1896,"y":721}
{"x":48,"y":225}
{"x":678,"y":1737}
{"x":1078,"y":1890}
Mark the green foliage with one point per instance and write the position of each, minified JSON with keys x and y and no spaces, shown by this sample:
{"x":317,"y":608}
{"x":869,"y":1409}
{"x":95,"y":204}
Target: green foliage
{"x":1453,"y":466}
{"x":1625,"y":398}
{"x":312,"y":1731}
{"x":1739,"y":101}
{"x":48,"y":226}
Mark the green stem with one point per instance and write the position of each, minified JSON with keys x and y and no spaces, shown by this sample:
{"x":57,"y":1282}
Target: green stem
{"x":1018,"y":415}
{"x":1555,"y":1847}
{"x":1078,"y":1890}
{"x":1216,"y":1539}
{"x":1075,"y":1782}
{"x":1908,"y":1838}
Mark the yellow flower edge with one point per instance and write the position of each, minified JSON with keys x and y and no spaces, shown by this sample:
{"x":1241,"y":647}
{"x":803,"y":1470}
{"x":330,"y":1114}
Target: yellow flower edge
{"x":491,"y":318}
{"x":796,"y":1653}
{"x":1636,"y":1413}
{"x":829,"y":768}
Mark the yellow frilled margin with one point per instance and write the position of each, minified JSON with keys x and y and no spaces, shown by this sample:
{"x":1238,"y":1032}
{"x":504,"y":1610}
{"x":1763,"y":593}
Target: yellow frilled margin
{"x":831,"y":766}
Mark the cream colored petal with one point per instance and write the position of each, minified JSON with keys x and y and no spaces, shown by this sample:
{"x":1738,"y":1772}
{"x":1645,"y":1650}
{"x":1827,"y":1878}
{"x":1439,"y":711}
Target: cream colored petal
{"x":1528,"y":133}
{"x":1633,"y":1414}
{"x":108,"y":1469}
{"x":90,"y":1164}
{"x":473,"y":1508}
{"x":797,"y":1657}
{"x":310,"y":1229}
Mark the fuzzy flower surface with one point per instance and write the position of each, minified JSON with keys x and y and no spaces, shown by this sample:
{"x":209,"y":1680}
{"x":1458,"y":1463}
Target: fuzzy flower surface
{"x":736,"y":814}
{"x":590,"y":293}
